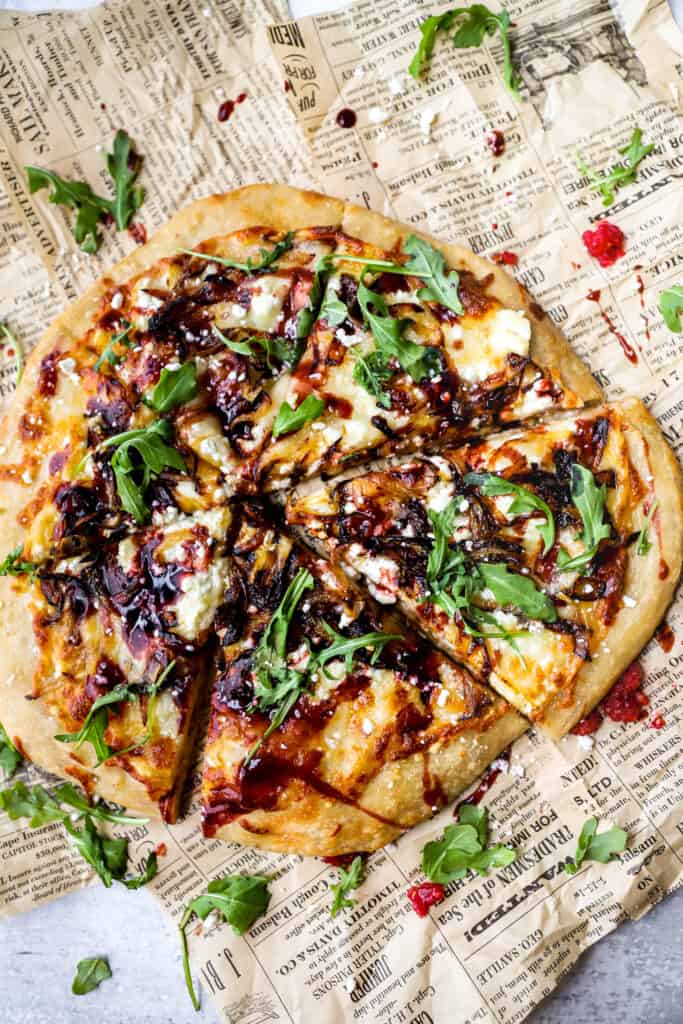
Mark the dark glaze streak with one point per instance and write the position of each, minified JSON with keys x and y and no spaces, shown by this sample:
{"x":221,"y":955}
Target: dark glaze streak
{"x":433,"y":792}
{"x":47,"y":378}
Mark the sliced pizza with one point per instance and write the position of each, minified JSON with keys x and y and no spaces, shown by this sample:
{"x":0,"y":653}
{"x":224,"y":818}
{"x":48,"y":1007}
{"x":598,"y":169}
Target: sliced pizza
{"x":541,"y":558}
{"x":333,"y":726}
{"x":107,"y":662}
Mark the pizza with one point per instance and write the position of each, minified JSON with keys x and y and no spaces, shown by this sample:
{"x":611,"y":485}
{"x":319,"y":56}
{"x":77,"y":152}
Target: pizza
{"x":542,"y":558}
{"x":269,"y":348}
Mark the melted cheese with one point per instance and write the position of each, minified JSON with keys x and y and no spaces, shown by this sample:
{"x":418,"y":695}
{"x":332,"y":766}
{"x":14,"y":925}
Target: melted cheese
{"x":202,"y":595}
{"x":487,"y":342}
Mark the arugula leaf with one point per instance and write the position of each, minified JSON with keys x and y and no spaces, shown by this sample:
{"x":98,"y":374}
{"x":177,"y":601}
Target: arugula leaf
{"x":90,"y":208}
{"x":451,"y":581}
{"x":68,"y":794}
{"x":309,"y":314}
{"x":124,"y":164}
{"x":499,"y":632}
{"x":511,"y":588}
{"x":35,"y":803}
{"x":13,"y":565}
{"x":589,"y":499}
{"x":273,"y":348}
{"x":107,"y":857}
{"x":110,"y":355}
{"x":174,"y":387}
{"x":289,"y":420}
{"x":150,"y":871}
{"x":332,"y":311}
{"x":427,"y":262}
{"x":11,"y":338}
{"x":10,"y":758}
{"x":643,"y":544}
{"x":671,"y":307}
{"x":268,"y":256}
{"x":154,"y":455}
{"x":372,"y":372}
{"x":419,"y":361}
{"x":478,"y":22}
{"x":238,"y":899}
{"x":592,"y":846}
{"x":524,"y":501}
{"x":348,"y":880}
{"x":463,"y":848}
{"x":620,"y":174}
{"x":89,"y":975}
{"x":345,"y":647}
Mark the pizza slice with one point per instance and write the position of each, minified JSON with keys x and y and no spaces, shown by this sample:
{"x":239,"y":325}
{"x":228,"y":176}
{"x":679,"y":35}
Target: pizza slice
{"x":107,"y":662}
{"x":541,"y":558}
{"x":333,"y":726}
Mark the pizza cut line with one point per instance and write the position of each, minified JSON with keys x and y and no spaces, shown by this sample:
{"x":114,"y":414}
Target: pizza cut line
{"x":268,"y":347}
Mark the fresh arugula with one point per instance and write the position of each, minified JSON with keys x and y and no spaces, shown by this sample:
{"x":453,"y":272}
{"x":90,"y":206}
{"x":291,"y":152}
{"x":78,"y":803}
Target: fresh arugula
{"x":309,"y":314}
{"x":67,"y":793}
{"x":348,"y":880}
{"x":464,"y":847}
{"x":372,"y":372}
{"x":345,"y":647}
{"x":90,"y":974}
{"x":42,"y":807}
{"x":289,"y":420}
{"x":511,"y":588}
{"x":589,"y":500}
{"x":11,"y":338}
{"x":477,"y":23}
{"x":620,"y":174}
{"x":108,"y":857}
{"x":124,"y":166}
{"x":97,"y":720}
{"x":524,"y":501}
{"x":332,"y":311}
{"x":14,"y":565}
{"x":441,"y":284}
{"x":643,"y":543}
{"x":268,"y":256}
{"x":497,"y":632}
{"x":10,"y":758}
{"x":149,"y":871}
{"x":110,"y":355}
{"x":592,"y":846}
{"x":153,"y":455}
{"x":174,"y":387}
{"x":671,"y":307}
{"x":237,"y":899}
{"x":276,"y":350}
{"x":419,"y":361}
{"x":91,"y":210}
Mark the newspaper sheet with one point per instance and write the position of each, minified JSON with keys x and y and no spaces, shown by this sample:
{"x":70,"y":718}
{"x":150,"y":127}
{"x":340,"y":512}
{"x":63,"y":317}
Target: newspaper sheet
{"x":416,"y":151}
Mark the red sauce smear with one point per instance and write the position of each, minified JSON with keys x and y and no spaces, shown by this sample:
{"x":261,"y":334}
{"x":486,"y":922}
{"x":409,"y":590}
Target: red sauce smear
{"x":605,"y":244}
{"x":626,"y":346}
{"x":665,"y":637}
{"x":138,"y":232}
{"x":495,"y":140}
{"x":506,"y":258}
{"x":161,"y":850}
{"x":47,"y":379}
{"x":346,"y":118}
{"x":425,"y":896}
{"x":484,"y":786}
{"x":641,"y":296}
{"x":663,"y":569}
{"x":625,"y":702}
{"x":342,"y":860}
{"x":658,"y":722}
{"x":288,"y":85}
{"x":227,"y":107}
{"x":588,"y":725}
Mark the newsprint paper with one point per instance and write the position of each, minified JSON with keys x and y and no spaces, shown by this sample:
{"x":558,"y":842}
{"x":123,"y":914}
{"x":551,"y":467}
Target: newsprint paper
{"x":417,"y":152}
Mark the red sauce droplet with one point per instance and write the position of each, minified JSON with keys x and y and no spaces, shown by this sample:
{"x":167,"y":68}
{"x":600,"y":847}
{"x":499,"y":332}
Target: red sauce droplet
{"x":665,"y":637}
{"x":241,"y":98}
{"x":494,"y":226}
{"x":225,"y":110}
{"x":161,"y":850}
{"x":626,"y":346}
{"x":346,"y":118}
{"x":495,"y":140}
{"x":342,"y":860}
{"x":484,"y":786}
{"x":288,"y":85}
{"x":658,"y":722}
{"x":641,"y":295}
{"x":138,"y":232}
{"x":626,"y":701}
{"x":575,"y":266}
{"x":588,"y":725}
{"x":506,"y":258}
{"x":663,"y":569}
{"x":375,"y":165}
{"x":425,"y":896}
{"x":605,"y":244}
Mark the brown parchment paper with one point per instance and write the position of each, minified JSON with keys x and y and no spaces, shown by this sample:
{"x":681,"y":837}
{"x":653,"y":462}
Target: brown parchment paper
{"x":418,"y":152}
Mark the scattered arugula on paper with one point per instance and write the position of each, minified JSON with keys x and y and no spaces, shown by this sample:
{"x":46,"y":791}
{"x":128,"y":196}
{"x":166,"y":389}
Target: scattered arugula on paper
{"x":607,"y":183}
{"x":464,"y":847}
{"x":237,"y":899}
{"x":90,"y":974}
{"x":671,"y":307}
{"x":596,"y":846}
{"x":124,"y":165}
{"x":348,"y":881}
{"x":472,"y":25}
{"x":10,"y":758}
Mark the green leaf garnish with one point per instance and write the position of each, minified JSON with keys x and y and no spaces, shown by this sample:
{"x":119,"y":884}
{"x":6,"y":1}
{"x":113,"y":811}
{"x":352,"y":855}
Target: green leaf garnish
{"x":89,"y":975}
{"x":619,"y":175}
{"x":110,"y":355}
{"x":332,"y":311}
{"x":276,"y":350}
{"x":14,"y":565}
{"x":237,"y":899}
{"x":309,"y":314}
{"x":345,"y":647}
{"x":419,"y":361}
{"x":10,"y":758}
{"x":174,"y":387}
{"x":11,"y":338}
{"x":511,"y":588}
{"x":463,"y":847}
{"x":289,"y":420}
{"x":643,"y":543}
{"x":525,"y":501}
{"x":671,"y":307}
{"x":589,"y":499}
{"x":35,"y":803}
{"x":149,"y":872}
{"x":124,"y":165}
{"x":592,"y":846}
{"x":372,"y":372}
{"x":478,"y":22}
{"x":348,"y":880}
{"x":67,"y":793}
{"x":268,"y":256}
{"x":441,"y":285}
{"x":153,"y":455}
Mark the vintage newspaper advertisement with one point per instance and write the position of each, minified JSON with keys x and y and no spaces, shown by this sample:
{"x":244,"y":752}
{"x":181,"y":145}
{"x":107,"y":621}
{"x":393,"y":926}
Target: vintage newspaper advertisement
{"x":421,"y":152}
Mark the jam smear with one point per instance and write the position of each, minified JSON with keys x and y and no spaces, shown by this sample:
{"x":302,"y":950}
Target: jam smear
{"x":227,"y":107}
{"x":505,"y":258}
{"x":626,"y":346}
{"x":138,"y":232}
{"x":47,"y":379}
{"x":424,"y":896}
{"x":495,"y":140}
{"x":626,"y":701}
{"x":658,"y":722}
{"x":588,"y":725}
{"x":342,"y":860}
{"x":346,"y":118}
{"x":484,"y":786}
{"x":605,"y":244}
{"x":665,"y":637}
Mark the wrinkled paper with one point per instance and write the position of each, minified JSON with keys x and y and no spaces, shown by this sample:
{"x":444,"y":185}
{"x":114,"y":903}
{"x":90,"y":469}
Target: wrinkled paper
{"x":417,"y":152}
